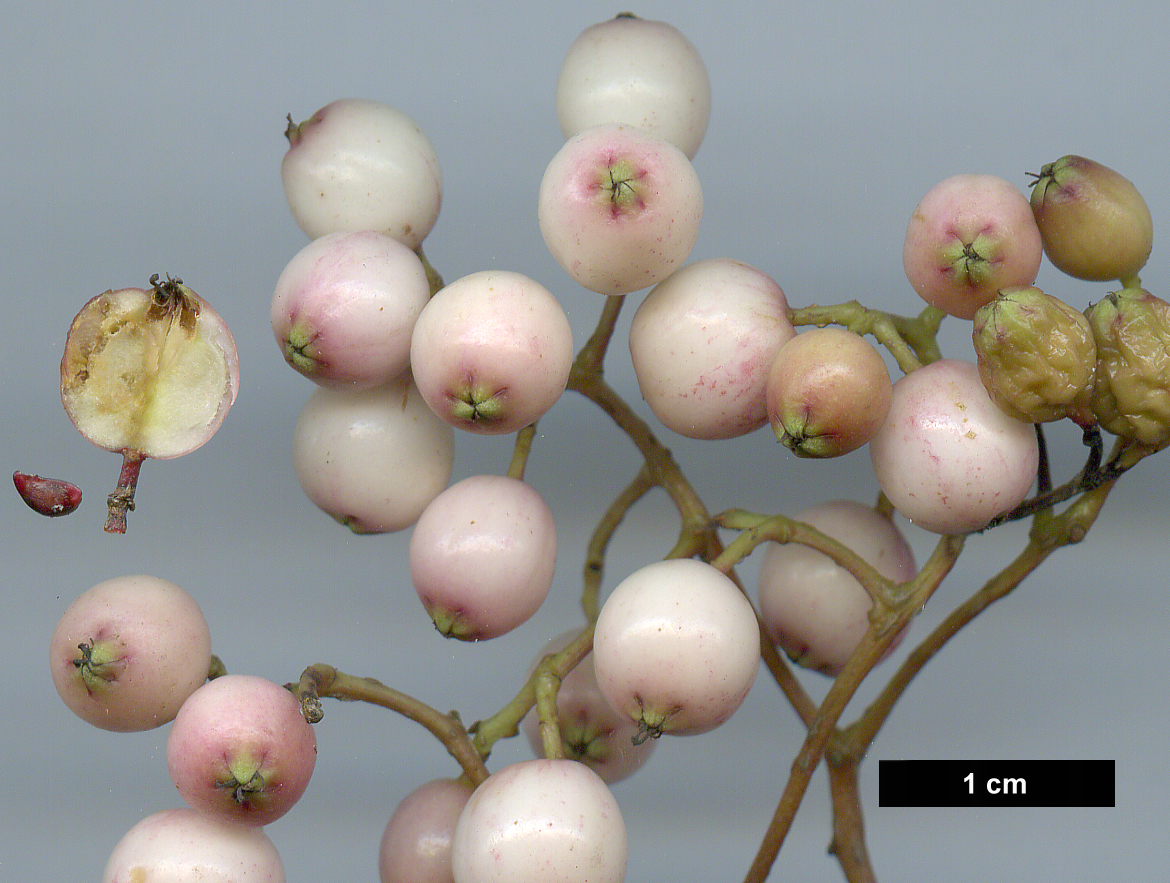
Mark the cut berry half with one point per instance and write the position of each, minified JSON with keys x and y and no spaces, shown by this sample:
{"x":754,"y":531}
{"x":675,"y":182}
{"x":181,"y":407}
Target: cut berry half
{"x":148,"y":373}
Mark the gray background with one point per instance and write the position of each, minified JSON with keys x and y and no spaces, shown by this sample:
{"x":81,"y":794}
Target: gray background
{"x":143,"y":138}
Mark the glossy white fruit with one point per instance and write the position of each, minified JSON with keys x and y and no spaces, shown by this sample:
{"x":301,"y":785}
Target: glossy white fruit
{"x":358,"y":164}
{"x":537,"y":821}
{"x":702,"y":342}
{"x":491,"y":352}
{"x":373,"y":459}
{"x":483,"y":555}
{"x":186,"y":846}
{"x":345,"y":306}
{"x":676,"y":647}
{"x":638,"y":72}
{"x":947,"y":457}
{"x":619,"y":209}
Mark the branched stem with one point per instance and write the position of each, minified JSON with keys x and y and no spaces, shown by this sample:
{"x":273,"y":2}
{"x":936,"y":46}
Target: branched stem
{"x":506,"y":721}
{"x":885,"y":625}
{"x":662,"y":467}
{"x":756,"y":529}
{"x":911,"y":341}
{"x":848,"y":842}
{"x":322,"y":680}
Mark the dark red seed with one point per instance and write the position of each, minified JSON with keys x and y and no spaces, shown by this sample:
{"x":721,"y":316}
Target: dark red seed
{"x":49,"y":496}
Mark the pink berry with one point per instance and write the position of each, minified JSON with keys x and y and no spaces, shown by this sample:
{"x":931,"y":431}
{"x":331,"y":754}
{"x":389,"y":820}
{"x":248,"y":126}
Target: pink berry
{"x":358,"y":164}
{"x":186,"y":846}
{"x":702,"y":341}
{"x":416,"y":844}
{"x":811,"y":606}
{"x":968,"y":237}
{"x":345,"y":307}
{"x":676,"y":647}
{"x":947,"y":456}
{"x":592,"y":731}
{"x":619,"y":209}
{"x":241,"y":750}
{"x":541,"y":820}
{"x":129,"y":651}
{"x":483,"y":555}
{"x":491,"y":352}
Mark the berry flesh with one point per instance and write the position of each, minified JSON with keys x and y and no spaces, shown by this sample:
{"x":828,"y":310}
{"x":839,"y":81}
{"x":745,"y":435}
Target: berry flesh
{"x":148,"y":374}
{"x":152,"y":371}
{"x":128,"y":652}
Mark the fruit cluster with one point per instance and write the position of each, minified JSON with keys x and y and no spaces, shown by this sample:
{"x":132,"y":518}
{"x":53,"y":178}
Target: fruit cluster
{"x":402,"y":361}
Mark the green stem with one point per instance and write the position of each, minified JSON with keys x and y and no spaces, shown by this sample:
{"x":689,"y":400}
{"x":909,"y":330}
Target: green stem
{"x":521,"y":451}
{"x":885,"y":625}
{"x":506,"y":721}
{"x":324,"y":680}
{"x":911,"y":341}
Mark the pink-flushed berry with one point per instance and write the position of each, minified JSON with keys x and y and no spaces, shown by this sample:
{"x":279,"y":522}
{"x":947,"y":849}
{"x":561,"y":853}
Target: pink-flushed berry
{"x":676,"y":647}
{"x":967,"y":238}
{"x":947,"y":457}
{"x":813,"y":607}
{"x":491,"y":352}
{"x":360,"y":164}
{"x":345,"y":306}
{"x":128,"y":652}
{"x":483,"y":555}
{"x":241,"y":750}
{"x":619,"y":208}
{"x":702,"y":341}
